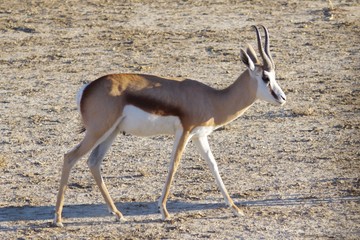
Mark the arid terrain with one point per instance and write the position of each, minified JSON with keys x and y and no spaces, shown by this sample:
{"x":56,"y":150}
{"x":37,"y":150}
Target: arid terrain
{"x":294,"y":169}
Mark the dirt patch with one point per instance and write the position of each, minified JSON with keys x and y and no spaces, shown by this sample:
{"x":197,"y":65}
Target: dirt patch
{"x":295,"y":169}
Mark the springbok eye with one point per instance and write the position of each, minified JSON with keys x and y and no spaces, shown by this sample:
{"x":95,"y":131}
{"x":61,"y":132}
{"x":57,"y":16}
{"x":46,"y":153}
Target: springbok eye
{"x":265,"y":78}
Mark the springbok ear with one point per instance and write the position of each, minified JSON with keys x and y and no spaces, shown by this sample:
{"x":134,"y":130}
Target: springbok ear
{"x":251,"y":52}
{"x":247,"y":60}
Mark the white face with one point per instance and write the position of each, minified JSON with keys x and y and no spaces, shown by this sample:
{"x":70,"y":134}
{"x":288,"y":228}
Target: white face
{"x":268,"y":89}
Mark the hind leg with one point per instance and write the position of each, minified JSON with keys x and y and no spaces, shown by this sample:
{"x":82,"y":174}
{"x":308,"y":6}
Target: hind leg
{"x":69,"y":161}
{"x":94,"y":163}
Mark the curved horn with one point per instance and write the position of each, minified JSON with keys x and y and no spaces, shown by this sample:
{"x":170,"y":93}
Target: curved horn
{"x":267,"y":45}
{"x":266,"y":59}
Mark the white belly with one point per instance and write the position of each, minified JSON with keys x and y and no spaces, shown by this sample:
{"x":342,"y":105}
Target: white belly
{"x":138,"y":122}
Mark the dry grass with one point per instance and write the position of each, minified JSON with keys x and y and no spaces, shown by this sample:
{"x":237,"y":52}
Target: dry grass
{"x":303,"y":111}
{"x":3,"y":161}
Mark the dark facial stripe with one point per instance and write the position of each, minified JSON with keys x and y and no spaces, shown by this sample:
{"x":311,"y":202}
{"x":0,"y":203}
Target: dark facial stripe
{"x":273,"y":93}
{"x":152,"y":105}
{"x":265,"y":78}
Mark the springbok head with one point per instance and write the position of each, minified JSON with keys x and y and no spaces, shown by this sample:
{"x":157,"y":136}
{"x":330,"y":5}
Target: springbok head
{"x":268,"y":89}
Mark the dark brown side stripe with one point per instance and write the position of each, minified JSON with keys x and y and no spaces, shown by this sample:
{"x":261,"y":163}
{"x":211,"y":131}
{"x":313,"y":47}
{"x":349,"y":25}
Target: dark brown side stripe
{"x":151,"y":105}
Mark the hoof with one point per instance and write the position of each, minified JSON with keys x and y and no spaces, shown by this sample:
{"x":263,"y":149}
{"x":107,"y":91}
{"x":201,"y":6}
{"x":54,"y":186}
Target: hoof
{"x":57,"y":224}
{"x":121,"y":220}
{"x":166,"y":218}
{"x":237,"y":211}
{"x":119,"y":216}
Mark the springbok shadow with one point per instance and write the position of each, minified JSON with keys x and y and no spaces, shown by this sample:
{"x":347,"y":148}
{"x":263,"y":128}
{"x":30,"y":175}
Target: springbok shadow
{"x":28,"y":213}
{"x":33,"y":213}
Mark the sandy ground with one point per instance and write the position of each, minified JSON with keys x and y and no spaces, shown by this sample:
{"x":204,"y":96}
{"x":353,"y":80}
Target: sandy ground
{"x":294,"y":169}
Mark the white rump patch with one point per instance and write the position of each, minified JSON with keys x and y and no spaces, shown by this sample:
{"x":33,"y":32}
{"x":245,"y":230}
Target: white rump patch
{"x":79,"y":96}
{"x":140,"y":123}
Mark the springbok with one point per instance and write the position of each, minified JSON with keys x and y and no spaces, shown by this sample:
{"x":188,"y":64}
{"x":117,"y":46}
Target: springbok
{"x":146,"y":105}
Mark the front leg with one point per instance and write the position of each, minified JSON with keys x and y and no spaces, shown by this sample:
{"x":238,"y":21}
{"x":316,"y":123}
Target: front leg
{"x":181,"y":139}
{"x":204,"y":149}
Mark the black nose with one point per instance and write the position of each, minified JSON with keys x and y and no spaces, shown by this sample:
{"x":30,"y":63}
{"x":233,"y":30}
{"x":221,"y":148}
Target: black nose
{"x":283,"y":97}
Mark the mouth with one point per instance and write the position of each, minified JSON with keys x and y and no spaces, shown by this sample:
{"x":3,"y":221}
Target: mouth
{"x":281,"y":102}
{"x":281,"y":99}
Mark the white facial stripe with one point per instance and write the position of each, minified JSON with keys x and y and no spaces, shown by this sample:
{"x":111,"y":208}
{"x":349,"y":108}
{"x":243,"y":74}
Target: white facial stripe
{"x":270,"y":91}
{"x":271,"y":75}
